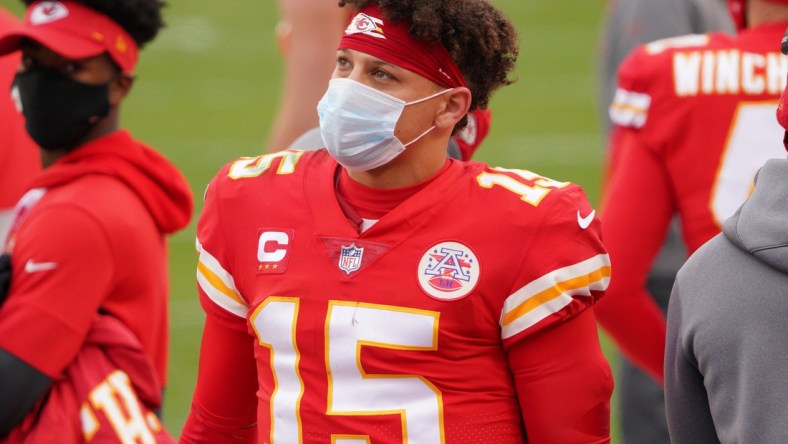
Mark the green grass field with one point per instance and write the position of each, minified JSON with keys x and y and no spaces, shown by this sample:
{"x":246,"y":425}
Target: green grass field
{"x":208,"y":87}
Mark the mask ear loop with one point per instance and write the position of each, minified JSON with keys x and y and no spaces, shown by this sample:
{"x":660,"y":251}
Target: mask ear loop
{"x":433,"y":126}
{"x":439,"y":93}
{"x":419,"y":137}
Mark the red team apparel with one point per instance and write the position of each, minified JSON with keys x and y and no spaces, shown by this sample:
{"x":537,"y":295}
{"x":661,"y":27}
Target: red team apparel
{"x":89,"y":237}
{"x":106,"y":395}
{"x":473,"y":134}
{"x":694,"y":122}
{"x":19,"y":157}
{"x":454,"y":319}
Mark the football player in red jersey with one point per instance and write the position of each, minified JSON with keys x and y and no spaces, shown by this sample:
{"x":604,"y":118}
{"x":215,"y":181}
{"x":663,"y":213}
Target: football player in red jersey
{"x":19,"y":158}
{"x":377,"y":291}
{"x":627,"y":24}
{"x":307,"y":34}
{"x":692,"y":127}
{"x":83,"y":330}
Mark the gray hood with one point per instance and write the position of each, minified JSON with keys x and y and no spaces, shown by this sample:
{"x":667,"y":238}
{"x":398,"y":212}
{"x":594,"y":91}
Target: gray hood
{"x":760,"y":226}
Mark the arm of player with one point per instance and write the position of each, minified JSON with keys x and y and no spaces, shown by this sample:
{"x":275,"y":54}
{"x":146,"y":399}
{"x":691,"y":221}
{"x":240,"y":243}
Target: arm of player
{"x":562,"y":378}
{"x":635,"y":214}
{"x":224,"y":405}
{"x":5,"y":276}
{"x":564,"y":383}
{"x":53,"y":298}
{"x":22,"y":385}
{"x":309,"y":33}
{"x":63,"y":266}
{"x":44,"y":322}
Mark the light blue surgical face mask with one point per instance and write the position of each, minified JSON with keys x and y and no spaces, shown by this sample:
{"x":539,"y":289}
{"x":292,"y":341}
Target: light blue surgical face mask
{"x":357,"y":124}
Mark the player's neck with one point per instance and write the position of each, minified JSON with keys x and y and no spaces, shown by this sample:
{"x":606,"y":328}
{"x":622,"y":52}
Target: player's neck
{"x":417,"y":163}
{"x":760,"y":12}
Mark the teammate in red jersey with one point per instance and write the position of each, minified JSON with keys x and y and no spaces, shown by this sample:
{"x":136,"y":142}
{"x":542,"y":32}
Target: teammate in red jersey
{"x":307,"y":32}
{"x":692,"y":128}
{"x":19,"y":158}
{"x":88,"y":241}
{"x":377,"y":291}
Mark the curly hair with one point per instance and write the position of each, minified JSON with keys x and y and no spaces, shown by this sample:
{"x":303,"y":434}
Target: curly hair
{"x":480,"y":39}
{"x":140,"y":18}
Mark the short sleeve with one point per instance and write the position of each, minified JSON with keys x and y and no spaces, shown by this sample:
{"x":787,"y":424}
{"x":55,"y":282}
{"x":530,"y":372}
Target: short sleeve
{"x":566,"y":269}
{"x":62,"y":269}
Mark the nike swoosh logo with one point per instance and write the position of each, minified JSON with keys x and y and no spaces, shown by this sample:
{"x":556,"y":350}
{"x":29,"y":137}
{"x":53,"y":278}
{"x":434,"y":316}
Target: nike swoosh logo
{"x":585,"y":222}
{"x":32,"y":266}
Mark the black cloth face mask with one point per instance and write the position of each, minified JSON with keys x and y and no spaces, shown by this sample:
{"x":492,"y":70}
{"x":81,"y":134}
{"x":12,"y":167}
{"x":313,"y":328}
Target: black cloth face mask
{"x":59,"y":111}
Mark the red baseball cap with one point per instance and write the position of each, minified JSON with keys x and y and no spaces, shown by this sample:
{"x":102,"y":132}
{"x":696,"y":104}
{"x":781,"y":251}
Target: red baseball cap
{"x":74,"y":31}
{"x":7,"y":20}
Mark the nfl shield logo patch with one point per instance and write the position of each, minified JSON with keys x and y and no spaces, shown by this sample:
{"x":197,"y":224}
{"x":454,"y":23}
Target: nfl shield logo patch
{"x":350,"y":258}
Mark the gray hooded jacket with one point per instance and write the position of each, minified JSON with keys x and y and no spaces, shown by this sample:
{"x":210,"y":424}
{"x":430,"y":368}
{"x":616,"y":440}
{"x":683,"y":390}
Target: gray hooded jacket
{"x":726,"y":360}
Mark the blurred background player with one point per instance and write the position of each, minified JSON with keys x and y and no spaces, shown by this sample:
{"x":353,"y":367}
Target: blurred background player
{"x":19,"y":157}
{"x":726,"y":348}
{"x":689,"y":135}
{"x":628,"y":23}
{"x":307,"y":35}
{"x":372,"y":310}
{"x":83,"y":327}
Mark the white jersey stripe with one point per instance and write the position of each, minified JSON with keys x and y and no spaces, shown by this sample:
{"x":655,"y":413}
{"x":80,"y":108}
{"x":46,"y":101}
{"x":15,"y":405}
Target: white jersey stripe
{"x":552,"y":292}
{"x":629,"y":108}
{"x":218,"y":284}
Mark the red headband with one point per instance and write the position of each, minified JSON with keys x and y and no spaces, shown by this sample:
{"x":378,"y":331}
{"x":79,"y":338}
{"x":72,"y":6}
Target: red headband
{"x":390,"y":41}
{"x":74,"y":31}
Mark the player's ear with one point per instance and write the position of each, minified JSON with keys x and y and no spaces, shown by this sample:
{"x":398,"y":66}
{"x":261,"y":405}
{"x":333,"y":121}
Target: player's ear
{"x":456,"y":106}
{"x":119,"y":88}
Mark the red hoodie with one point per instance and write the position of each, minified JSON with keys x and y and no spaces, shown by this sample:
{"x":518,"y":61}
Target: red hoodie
{"x":89,"y":236}
{"x":19,"y":156}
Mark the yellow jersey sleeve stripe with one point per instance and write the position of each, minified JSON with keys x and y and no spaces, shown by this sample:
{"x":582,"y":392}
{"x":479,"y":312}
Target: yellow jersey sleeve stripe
{"x":578,"y":283}
{"x":629,"y":108}
{"x":553,"y":291}
{"x":218,"y":284}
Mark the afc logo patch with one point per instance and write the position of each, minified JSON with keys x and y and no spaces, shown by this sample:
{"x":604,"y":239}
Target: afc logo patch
{"x":273,"y":250}
{"x":448,"y":271}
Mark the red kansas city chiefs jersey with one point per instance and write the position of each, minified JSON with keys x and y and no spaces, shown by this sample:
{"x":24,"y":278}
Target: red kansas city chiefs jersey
{"x":694,"y":121}
{"x":704,"y":106}
{"x":400,"y":333}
